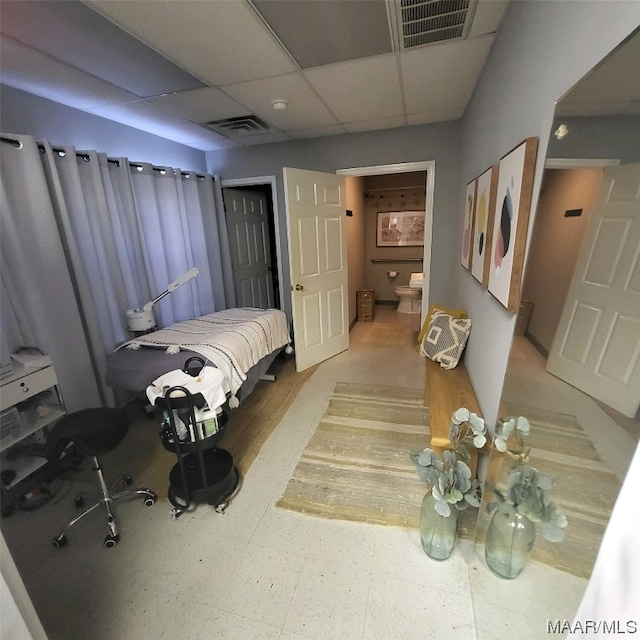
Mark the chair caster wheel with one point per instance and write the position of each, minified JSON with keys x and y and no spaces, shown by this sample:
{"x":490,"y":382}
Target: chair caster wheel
{"x":79,"y":501}
{"x":60,"y":541}
{"x":128,"y":480}
{"x":111,"y":541}
{"x":220,"y":508}
{"x":149,"y":502}
{"x":176,"y":513}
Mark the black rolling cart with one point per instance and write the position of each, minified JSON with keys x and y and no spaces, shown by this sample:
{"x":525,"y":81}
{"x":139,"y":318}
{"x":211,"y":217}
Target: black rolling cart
{"x":203,"y":473}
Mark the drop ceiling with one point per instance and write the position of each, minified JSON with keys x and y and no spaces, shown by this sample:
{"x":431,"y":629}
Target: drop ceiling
{"x":174,"y":67}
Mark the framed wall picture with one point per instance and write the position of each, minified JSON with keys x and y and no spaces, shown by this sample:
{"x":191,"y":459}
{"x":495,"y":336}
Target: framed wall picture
{"x":400,"y":229}
{"x":510,"y":223}
{"x":485,"y":204}
{"x":467,"y":231}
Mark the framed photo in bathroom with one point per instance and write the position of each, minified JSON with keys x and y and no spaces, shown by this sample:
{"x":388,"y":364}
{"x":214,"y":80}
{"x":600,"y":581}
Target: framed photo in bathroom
{"x":400,"y":229}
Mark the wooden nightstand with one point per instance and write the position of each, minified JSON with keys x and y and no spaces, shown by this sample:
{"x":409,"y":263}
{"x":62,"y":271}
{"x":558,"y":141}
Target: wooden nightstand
{"x":366,"y":305}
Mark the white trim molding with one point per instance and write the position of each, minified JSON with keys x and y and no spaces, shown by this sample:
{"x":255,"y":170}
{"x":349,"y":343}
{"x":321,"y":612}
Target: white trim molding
{"x":402,"y":167}
{"x":271,"y":181}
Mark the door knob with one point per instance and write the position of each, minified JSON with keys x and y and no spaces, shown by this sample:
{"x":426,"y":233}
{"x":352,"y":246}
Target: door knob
{"x":299,"y":287}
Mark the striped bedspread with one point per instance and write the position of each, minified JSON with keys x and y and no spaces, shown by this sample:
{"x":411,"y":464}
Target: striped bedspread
{"x":233,"y":340}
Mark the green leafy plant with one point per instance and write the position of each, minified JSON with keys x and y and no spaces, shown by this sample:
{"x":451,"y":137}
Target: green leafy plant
{"x":527,"y":490}
{"x":450,"y":477}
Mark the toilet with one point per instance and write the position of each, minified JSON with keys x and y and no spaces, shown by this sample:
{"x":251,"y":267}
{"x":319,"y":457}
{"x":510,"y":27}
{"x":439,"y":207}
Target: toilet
{"x":410,"y":295}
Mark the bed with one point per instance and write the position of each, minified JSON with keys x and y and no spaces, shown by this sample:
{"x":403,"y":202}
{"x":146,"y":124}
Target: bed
{"x":241,"y":342}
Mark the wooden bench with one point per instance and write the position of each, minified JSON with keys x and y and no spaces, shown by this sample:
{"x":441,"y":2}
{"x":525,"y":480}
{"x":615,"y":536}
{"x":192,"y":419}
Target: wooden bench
{"x":445,"y":391}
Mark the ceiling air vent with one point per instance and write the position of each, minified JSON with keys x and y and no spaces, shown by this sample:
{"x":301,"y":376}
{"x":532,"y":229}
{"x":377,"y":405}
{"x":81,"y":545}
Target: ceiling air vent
{"x":239,"y":126}
{"x":427,"y":21}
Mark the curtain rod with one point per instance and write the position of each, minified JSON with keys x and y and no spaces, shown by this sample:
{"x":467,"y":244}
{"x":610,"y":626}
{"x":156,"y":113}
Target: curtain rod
{"x":86,"y":157}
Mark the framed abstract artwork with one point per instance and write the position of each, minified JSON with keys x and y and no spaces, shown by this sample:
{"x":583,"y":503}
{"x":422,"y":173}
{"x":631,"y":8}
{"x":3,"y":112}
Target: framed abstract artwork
{"x":400,"y":229}
{"x":483,"y":224}
{"x":467,"y":231}
{"x":510,"y":223}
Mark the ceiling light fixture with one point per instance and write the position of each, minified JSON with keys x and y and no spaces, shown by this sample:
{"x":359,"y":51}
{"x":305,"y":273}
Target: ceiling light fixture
{"x":561,"y":131}
{"x":279,"y":104}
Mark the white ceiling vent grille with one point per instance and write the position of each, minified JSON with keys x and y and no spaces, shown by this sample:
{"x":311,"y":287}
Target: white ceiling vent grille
{"x":427,"y":21}
{"x":239,"y":126}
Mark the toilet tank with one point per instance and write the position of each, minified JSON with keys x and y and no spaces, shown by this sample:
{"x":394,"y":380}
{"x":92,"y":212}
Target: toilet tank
{"x":416,"y":280}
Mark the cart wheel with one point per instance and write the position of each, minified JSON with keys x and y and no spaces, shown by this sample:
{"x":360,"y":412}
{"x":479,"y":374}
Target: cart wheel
{"x":79,"y":501}
{"x":60,"y":541}
{"x":220,"y":508}
{"x":150,"y":501}
{"x":176,"y":513}
{"x":111,"y":541}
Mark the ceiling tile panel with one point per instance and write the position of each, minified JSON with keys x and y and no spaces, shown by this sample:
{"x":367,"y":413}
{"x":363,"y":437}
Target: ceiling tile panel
{"x":374,"y":125}
{"x":98,"y":46}
{"x":33,"y":72}
{"x":366,"y":89}
{"x":304,"y":111}
{"x":333,"y":130}
{"x":201,"y":105}
{"x":488,"y":17}
{"x":220,"y":42}
{"x":443,"y":76}
{"x":319,"y":33}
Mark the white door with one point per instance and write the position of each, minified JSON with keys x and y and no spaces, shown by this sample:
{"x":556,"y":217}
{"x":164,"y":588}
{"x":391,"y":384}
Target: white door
{"x":248,"y":225}
{"x":315,"y":205}
{"x":597,"y":345}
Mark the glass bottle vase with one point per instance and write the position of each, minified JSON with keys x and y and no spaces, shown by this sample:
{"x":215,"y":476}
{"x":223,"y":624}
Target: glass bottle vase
{"x":437,"y":533}
{"x":508,"y":545}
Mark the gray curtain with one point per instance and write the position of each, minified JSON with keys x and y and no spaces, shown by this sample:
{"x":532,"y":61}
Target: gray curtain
{"x":112,"y":235}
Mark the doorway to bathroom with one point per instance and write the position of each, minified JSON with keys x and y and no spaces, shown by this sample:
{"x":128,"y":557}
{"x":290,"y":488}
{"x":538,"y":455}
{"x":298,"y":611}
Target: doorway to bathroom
{"x":373,"y":264}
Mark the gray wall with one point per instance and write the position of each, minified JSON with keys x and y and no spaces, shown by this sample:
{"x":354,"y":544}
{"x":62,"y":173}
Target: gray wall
{"x":543,"y":49}
{"x":615,"y":137}
{"x":41,"y":118}
{"x":555,"y":243}
{"x":439,"y":142}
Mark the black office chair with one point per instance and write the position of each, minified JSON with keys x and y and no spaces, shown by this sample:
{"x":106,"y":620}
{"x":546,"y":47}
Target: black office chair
{"x":94,"y":432}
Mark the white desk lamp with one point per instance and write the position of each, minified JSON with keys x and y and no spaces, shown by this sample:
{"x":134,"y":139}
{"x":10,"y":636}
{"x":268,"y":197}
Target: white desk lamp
{"x":143,"y":320}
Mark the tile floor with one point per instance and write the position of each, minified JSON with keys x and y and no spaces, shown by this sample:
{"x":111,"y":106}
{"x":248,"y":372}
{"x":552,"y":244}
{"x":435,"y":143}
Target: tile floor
{"x":258,"y":572}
